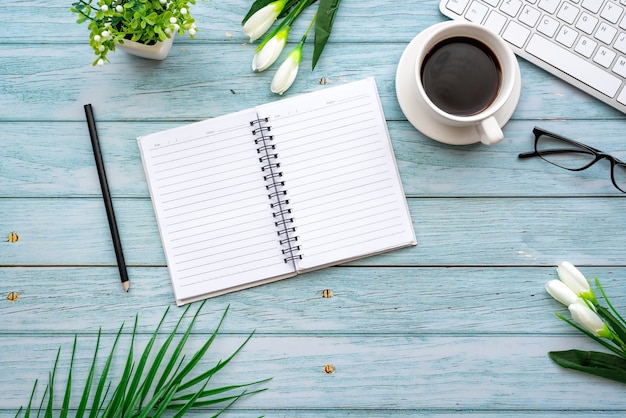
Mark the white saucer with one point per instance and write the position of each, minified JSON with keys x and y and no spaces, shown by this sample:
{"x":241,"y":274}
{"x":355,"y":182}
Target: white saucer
{"x":406,"y":91}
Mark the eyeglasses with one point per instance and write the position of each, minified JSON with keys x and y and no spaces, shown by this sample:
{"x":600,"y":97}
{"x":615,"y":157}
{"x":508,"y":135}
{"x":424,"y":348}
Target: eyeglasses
{"x":574,"y":156}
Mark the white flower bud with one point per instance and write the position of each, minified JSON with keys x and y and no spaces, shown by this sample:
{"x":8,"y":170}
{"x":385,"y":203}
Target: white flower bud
{"x":96,"y":38}
{"x":119,"y":8}
{"x":100,"y":62}
{"x":589,"y":320}
{"x":287,"y":72}
{"x":262,"y":20}
{"x":105,"y":34}
{"x":559,"y":291}
{"x":104,"y":8}
{"x":172,"y":20}
{"x":183,"y":11}
{"x":572,"y":277}
{"x":192,"y":31}
{"x":266,"y":56}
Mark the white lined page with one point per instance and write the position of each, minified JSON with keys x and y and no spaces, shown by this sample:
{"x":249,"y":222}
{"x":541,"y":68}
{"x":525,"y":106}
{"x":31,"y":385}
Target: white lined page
{"x":212,"y":207}
{"x":340,"y":173}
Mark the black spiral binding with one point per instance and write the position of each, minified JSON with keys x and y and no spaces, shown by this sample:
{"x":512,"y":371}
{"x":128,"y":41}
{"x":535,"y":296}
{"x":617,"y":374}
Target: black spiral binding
{"x":277,"y":194}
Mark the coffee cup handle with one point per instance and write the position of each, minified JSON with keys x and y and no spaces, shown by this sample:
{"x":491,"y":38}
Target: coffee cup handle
{"x":490,"y":131}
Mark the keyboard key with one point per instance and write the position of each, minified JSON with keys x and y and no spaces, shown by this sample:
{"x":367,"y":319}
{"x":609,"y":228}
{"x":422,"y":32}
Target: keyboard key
{"x":611,"y":12}
{"x":622,"y":97}
{"x":516,"y":34}
{"x":495,"y":22}
{"x":457,"y":6}
{"x":587,"y":23}
{"x":476,"y":12}
{"x":620,"y":67}
{"x":586,"y":46}
{"x":548,"y":26}
{"x":592,"y":5}
{"x":566,"y":36}
{"x":549,"y":5}
{"x":604,"y":57}
{"x":530,"y":16}
{"x":575,"y":66}
{"x":606,"y":33}
{"x":511,"y":7}
{"x":568,"y":13}
{"x":620,"y":44}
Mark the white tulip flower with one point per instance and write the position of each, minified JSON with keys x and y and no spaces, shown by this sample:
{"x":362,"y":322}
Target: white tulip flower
{"x":559,"y":291}
{"x":263,"y":19}
{"x":588,"y":319}
{"x":575,"y":280}
{"x":268,"y":53}
{"x":287,"y":72}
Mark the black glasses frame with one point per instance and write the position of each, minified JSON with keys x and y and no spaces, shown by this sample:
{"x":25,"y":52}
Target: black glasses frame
{"x":598,"y":155}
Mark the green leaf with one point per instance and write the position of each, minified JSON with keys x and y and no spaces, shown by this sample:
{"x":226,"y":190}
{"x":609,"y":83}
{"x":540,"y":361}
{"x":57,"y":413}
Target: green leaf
{"x":596,"y":363}
{"x":68,"y":387}
{"x":326,"y":12}
{"x":48,"y":412}
{"x":87,"y":389}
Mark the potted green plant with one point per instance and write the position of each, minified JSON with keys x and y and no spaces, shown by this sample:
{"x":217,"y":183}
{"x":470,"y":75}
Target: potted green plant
{"x":145,"y":28}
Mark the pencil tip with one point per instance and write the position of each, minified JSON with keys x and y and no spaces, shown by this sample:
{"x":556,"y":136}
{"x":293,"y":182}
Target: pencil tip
{"x":126,"y":285}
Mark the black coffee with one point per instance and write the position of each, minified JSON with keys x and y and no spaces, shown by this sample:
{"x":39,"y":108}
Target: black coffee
{"x":461,"y":76}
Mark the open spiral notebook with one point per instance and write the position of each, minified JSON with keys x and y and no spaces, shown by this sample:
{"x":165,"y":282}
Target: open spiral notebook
{"x":269,"y":192}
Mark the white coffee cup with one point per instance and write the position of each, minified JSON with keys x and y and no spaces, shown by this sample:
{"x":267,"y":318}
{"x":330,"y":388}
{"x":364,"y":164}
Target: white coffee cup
{"x":445,"y":63}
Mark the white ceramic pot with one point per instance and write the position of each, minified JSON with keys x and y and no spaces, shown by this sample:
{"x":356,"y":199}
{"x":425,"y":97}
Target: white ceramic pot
{"x":157,"y":51}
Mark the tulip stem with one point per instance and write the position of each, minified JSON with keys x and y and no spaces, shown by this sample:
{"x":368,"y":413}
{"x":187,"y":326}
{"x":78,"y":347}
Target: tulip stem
{"x":608,"y":302}
{"x":308,"y":29}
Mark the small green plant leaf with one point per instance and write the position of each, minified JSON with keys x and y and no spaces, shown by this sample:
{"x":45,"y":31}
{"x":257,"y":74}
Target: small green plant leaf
{"x":68,"y":386}
{"x":326,"y":12}
{"x":596,"y":363}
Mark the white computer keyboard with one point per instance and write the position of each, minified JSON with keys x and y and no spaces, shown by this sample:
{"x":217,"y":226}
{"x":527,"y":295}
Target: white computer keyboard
{"x":581,"y":41}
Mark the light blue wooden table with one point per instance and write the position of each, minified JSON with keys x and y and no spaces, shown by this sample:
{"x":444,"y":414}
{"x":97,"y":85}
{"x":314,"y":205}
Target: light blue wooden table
{"x":459,"y":324}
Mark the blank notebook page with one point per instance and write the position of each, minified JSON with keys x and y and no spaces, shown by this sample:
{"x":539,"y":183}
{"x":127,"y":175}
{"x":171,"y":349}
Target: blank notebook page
{"x":340,"y":173}
{"x":212,"y":205}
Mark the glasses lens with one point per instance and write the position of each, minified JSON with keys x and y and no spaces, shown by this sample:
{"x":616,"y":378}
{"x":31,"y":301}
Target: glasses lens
{"x":619,"y":176}
{"x":563,"y":153}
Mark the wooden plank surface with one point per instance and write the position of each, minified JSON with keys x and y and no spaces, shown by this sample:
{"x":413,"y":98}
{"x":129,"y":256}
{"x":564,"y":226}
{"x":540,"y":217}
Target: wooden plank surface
{"x":458,"y":325}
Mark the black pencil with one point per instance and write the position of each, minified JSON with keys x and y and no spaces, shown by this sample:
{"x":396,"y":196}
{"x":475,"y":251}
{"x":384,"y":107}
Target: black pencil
{"x":108,"y":203}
